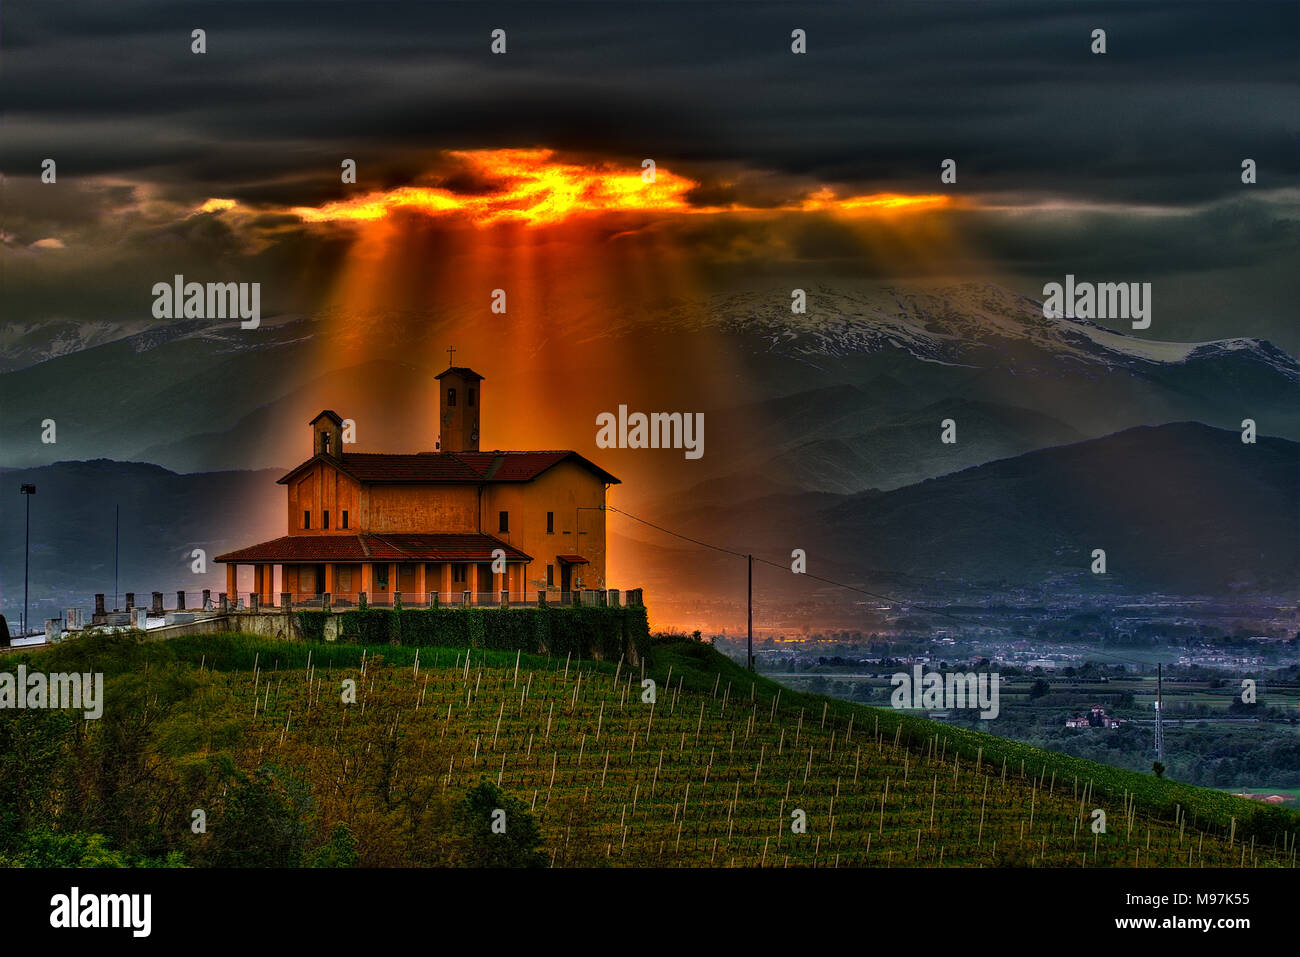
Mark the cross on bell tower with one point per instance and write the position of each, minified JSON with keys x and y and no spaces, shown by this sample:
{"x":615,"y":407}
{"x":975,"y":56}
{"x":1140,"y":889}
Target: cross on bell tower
{"x":451,"y":356}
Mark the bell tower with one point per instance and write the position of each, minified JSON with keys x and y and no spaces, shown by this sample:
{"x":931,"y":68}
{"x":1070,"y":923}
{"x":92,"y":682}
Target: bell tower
{"x":459,"y":400}
{"x":327,"y":434}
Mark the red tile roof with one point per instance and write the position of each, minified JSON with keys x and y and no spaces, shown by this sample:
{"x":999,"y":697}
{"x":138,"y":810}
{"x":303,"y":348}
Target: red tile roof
{"x":429,"y":467}
{"x":375,"y":548}
{"x":572,"y":559}
{"x":450,"y":467}
{"x":513,"y":466}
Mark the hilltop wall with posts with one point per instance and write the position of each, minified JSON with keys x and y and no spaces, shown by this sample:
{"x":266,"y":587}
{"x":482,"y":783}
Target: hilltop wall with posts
{"x":606,"y":625}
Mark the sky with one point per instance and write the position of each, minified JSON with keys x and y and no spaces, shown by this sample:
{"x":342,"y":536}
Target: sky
{"x":773,"y":170}
{"x":1123,"y":166}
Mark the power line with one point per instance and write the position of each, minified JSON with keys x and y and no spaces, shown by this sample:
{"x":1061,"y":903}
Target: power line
{"x":765,"y":561}
{"x":830,"y":581}
{"x":668,"y":531}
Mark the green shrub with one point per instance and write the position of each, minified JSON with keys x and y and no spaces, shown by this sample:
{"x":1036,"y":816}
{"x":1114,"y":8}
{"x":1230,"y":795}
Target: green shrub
{"x":496,"y":829}
{"x":368,"y":626}
{"x":312,"y":625}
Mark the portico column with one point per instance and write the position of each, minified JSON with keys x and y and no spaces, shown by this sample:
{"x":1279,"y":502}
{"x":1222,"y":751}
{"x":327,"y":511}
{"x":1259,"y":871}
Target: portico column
{"x":472,"y":580}
{"x":331,"y":576}
{"x":232,"y":579}
{"x":444,"y":583}
{"x":393,"y":583}
{"x":257,"y":580}
{"x":368,"y":580}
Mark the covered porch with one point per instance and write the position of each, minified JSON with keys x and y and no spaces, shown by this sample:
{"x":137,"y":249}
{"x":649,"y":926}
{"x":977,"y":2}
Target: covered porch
{"x":337,"y":570}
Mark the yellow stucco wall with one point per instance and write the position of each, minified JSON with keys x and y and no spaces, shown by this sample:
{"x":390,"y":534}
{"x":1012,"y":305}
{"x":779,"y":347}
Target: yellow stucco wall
{"x":419,"y":508}
{"x":321,"y":488}
{"x":568,"y":490}
{"x":560,"y":489}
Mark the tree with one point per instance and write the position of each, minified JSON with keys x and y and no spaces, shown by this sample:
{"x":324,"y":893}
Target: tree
{"x":1039,"y":688}
{"x":339,"y":851}
{"x":264,"y":823}
{"x":1158,"y":769}
{"x":45,"y":848}
{"x":497,"y":830}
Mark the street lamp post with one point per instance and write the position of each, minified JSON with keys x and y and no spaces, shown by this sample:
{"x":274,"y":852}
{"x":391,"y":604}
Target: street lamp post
{"x":29,"y":491}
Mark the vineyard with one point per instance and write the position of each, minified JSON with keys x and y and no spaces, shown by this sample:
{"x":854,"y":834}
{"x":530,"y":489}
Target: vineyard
{"x":686,"y":760}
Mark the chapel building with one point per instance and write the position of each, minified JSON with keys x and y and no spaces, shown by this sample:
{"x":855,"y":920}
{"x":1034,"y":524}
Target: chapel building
{"x":451,"y":521}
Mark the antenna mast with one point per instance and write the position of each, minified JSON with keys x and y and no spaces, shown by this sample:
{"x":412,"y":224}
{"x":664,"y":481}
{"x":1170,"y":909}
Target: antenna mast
{"x":1160,"y":719}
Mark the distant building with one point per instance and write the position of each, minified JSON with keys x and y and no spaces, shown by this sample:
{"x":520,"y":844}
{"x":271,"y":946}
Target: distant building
{"x":1265,"y":798}
{"x":1097,"y":718}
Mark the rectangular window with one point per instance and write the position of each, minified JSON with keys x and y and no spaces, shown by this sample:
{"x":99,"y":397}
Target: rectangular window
{"x":458,"y":573}
{"x":381,"y":577}
{"x":550,"y":523}
{"x":469,"y":397}
{"x":306,"y":519}
{"x":451,"y":397}
{"x":345,"y":519}
{"x":550,"y":576}
{"x":503,"y":522}
{"x":325,"y":519}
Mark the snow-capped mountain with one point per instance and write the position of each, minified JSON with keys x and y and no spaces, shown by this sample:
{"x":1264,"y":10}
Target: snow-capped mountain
{"x":970,"y":324}
{"x":26,"y":344}
{"x":165,"y":392}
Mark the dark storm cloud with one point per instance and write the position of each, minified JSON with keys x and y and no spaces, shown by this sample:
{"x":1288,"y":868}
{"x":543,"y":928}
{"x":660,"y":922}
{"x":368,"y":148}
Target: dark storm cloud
{"x":885,"y":92}
{"x":144,"y":131}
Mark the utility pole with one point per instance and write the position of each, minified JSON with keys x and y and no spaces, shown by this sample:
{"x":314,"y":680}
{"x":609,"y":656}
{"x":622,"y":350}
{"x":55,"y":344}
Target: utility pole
{"x":751,"y":612}
{"x":117,"y":510}
{"x":1160,"y":719}
{"x":28,"y":491}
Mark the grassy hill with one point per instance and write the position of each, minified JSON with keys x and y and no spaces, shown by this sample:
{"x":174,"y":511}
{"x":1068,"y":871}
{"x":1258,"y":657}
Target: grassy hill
{"x":714,"y":772}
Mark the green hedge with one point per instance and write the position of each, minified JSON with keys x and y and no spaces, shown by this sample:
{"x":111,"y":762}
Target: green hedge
{"x":312,"y":625}
{"x":584,"y":632}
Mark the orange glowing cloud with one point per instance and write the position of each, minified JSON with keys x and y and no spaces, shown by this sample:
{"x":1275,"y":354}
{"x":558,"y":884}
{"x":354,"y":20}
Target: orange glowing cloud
{"x":825,"y":199}
{"x":524,"y":186}
{"x":529,"y":186}
{"x":216,"y":205}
